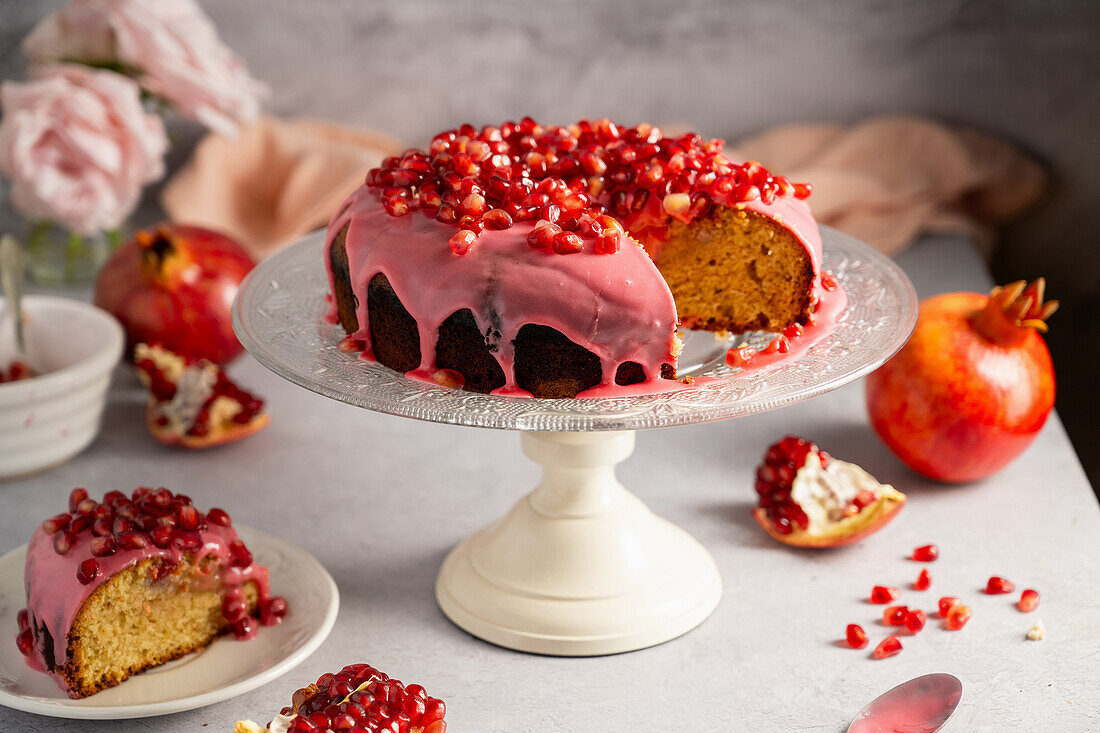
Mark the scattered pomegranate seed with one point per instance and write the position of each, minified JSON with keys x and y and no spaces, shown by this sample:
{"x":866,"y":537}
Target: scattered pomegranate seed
{"x":946,"y":604}
{"x":103,"y":546}
{"x":924,"y":580}
{"x":1029,"y":600}
{"x":915,"y":620}
{"x":926,"y":553}
{"x":857,"y":637}
{"x":63,"y":541}
{"x":895,"y":615}
{"x":958,"y":616}
{"x":87,"y":571}
{"x":884,"y":594}
{"x":997,"y":586}
{"x":462,"y":241}
{"x":888,"y":647}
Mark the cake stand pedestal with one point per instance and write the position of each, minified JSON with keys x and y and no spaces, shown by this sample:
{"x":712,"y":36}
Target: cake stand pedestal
{"x":579,"y":566}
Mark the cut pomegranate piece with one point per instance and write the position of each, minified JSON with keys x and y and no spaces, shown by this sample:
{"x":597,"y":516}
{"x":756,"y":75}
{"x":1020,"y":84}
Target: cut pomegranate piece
{"x":926,"y":553}
{"x":358,"y":698}
{"x":809,"y":499}
{"x":193,"y":403}
{"x":857,"y":637}
{"x":923,"y":581}
{"x":1029,"y":600}
{"x":998,"y":586}
{"x":884,"y":594}
{"x":888,"y":647}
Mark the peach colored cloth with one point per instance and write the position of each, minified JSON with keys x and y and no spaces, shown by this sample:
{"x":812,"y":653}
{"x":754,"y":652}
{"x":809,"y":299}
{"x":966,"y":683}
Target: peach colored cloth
{"x":884,"y":180}
{"x":276,"y":181}
{"x":887,"y":179}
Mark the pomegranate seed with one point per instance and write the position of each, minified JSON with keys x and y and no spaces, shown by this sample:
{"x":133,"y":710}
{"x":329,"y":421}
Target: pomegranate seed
{"x":76,"y":496}
{"x":23,"y":619}
{"x":131,"y":540}
{"x":542,"y":236}
{"x":187,"y":541}
{"x":104,"y":546}
{"x":396,"y":206}
{"x":189,"y":517}
{"x":462,"y":241}
{"x":25,"y":642}
{"x":63,"y":541}
{"x":926,"y":553}
{"x":946,"y":604}
{"x":958,"y":616}
{"x":884,"y":594}
{"x":895,"y":615}
{"x":857,"y":637}
{"x":998,"y":586}
{"x":497,"y":219}
{"x":86,"y":507}
{"x":803,"y":190}
{"x":87,"y":571}
{"x":924,"y":580}
{"x":608,"y":241}
{"x":915,"y":620}
{"x":219,"y":516}
{"x":676,"y":204}
{"x":272,"y":611}
{"x":888,"y":647}
{"x":239,"y":556}
{"x":234,"y":606}
{"x":1029,"y":600}
{"x":55,"y":523}
{"x":162,"y":536}
{"x":245,"y":628}
{"x":567,"y":243}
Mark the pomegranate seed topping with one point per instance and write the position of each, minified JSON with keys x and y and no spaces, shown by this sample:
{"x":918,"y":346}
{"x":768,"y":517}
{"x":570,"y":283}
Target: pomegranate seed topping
{"x":244,"y":628}
{"x":272,"y":611}
{"x":189,"y":517}
{"x":998,"y":586}
{"x":958,"y":616}
{"x":857,"y":637}
{"x":497,"y":219}
{"x":1029,"y":600}
{"x":87,"y":571}
{"x":76,"y":496}
{"x":239,"y":556}
{"x":104,"y":546}
{"x":884,"y":594}
{"x":915,"y":620}
{"x":608,"y":242}
{"x":895,"y":615}
{"x":187,"y":541}
{"x":23,"y":619}
{"x":462,"y":241}
{"x":131,"y":540}
{"x":234,"y":606}
{"x":567,"y":243}
{"x":803,"y":190}
{"x":677,"y":204}
{"x":161,"y":536}
{"x":53,"y":524}
{"x":926,"y":553}
{"x":219,"y":516}
{"x":542,"y":236}
{"x":25,"y":642}
{"x":888,"y":647}
{"x":924,"y":580}
{"x":63,"y":541}
{"x":946,"y":604}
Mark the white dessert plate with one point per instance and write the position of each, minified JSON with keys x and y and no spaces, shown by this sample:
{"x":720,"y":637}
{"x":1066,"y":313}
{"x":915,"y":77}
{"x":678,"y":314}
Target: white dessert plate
{"x":224,"y":669}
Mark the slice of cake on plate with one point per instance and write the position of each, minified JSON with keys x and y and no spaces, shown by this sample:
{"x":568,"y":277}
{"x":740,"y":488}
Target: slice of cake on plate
{"x":130,"y":582}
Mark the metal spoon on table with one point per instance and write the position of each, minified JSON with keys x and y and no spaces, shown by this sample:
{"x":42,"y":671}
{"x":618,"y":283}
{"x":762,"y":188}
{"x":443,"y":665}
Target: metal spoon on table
{"x":12,"y":272}
{"x":921,"y":705}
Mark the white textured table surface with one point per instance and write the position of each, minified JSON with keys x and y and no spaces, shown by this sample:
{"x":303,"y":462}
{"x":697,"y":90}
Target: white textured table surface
{"x":379,"y":500}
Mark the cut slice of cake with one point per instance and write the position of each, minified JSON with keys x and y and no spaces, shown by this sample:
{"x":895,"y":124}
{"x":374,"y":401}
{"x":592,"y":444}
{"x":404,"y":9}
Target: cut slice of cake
{"x":131,"y":582}
{"x":357,"y":698}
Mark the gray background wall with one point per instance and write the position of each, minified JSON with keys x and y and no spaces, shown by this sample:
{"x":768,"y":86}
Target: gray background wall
{"x":1026,"y":69}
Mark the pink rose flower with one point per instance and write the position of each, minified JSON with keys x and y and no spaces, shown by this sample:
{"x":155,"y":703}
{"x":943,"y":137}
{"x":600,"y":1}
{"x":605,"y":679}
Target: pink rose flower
{"x":78,"y":146}
{"x":171,"y":46}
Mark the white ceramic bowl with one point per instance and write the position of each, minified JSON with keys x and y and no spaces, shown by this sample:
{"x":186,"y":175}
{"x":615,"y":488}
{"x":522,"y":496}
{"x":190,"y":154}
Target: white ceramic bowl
{"x":48,"y":419}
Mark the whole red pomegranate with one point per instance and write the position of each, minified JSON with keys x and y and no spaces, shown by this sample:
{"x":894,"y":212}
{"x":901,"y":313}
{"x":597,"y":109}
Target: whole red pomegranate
{"x":174,"y":286}
{"x":972,"y":387}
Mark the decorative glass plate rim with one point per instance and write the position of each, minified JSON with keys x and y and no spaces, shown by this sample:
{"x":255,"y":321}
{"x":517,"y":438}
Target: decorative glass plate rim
{"x":279,"y":312}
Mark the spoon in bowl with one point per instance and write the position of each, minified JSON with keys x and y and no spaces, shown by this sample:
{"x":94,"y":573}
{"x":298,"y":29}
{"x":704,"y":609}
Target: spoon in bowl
{"x":921,"y":705}
{"x":12,"y":272}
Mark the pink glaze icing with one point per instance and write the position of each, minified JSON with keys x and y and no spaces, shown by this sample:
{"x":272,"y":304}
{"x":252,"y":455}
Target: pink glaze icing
{"x":55,"y":595}
{"x":616,"y":305}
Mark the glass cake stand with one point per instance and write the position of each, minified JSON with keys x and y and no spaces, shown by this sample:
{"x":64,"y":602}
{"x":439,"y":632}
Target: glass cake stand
{"x":579,"y":566}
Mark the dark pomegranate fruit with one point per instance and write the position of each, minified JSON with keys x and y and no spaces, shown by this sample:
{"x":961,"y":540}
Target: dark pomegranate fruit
{"x":809,"y":499}
{"x":193,"y":403}
{"x":360,"y":699}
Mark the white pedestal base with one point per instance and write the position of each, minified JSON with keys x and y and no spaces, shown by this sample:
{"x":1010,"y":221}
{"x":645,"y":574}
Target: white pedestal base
{"x":579,"y":566}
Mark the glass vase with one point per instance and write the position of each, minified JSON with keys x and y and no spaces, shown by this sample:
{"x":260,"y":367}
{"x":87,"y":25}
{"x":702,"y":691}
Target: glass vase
{"x":58,"y":256}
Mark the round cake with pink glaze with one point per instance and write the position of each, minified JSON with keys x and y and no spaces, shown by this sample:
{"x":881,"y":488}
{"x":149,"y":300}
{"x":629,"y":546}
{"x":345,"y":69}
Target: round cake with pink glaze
{"x":553,"y":261}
